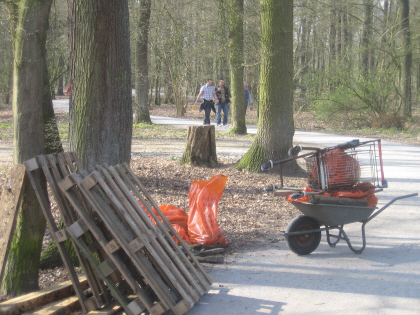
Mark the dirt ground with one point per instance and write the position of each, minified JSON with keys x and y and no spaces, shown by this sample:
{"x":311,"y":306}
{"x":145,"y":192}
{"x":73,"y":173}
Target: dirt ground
{"x":249,"y":216}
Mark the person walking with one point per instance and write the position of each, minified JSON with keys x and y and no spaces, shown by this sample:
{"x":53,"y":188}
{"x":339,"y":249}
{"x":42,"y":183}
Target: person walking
{"x":223,"y":95}
{"x":208,"y":93}
{"x":248,"y":98}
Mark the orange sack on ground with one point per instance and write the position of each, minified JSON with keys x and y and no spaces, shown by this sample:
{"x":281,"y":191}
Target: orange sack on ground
{"x":177,"y":217}
{"x":204,"y":197}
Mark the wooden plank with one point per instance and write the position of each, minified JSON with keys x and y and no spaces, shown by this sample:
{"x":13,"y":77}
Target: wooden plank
{"x":124,"y":238}
{"x":49,"y":164}
{"x":68,"y":305}
{"x":160,"y":257}
{"x":95,"y":264}
{"x":132,"y":181}
{"x":110,"y":309}
{"x":72,"y":197}
{"x":9,"y":207}
{"x":284,"y":192}
{"x":31,"y":301}
{"x":54,"y":169}
{"x":165,"y":256}
{"x":61,"y":235}
{"x":338,"y":201}
{"x":46,"y":209}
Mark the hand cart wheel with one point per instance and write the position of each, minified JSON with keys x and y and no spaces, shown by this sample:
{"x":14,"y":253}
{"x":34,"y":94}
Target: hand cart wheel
{"x":304,"y":243}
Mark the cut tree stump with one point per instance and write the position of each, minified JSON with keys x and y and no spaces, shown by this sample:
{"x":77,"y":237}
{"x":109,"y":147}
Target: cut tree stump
{"x":201,"y":146}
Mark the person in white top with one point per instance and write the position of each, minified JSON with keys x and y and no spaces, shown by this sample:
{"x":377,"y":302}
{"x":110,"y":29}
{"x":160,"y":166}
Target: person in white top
{"x":209,"y":95}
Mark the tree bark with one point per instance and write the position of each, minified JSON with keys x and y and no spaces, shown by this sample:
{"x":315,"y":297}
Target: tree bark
{"x":101,"y":112}
{"x":366,"y":36}
{"x":30,"y":24}
{"x":142,"y":72}
{"x":275,"y":123}
{"x":60,"y":80}
{"x":201,"y":146}
{"x":237,"y":67}
{"x":405,"y":109}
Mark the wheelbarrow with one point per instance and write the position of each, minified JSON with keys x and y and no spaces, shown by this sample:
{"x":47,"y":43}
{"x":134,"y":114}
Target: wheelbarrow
{"x":303,"y":233}
{"x":345,"y":167}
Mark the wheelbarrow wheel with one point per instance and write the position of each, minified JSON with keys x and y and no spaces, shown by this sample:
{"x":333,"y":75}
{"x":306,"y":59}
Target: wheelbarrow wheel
{"x":303,"y":244}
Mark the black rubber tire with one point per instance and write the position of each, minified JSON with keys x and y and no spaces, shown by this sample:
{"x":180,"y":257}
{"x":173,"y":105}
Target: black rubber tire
{"x":306,"y":243}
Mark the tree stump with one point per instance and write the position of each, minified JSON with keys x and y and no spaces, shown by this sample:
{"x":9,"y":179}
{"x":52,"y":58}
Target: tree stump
{"x":201,"y":146}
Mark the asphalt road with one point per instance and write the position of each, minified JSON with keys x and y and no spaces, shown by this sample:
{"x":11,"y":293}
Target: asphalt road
{"x":384,"y":279}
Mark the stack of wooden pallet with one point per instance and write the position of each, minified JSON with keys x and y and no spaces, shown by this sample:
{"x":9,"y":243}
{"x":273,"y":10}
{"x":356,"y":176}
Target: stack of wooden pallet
{"x":126,"y":257}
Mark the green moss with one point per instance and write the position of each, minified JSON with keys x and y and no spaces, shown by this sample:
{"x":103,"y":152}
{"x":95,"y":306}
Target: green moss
{"x":253,"y":159}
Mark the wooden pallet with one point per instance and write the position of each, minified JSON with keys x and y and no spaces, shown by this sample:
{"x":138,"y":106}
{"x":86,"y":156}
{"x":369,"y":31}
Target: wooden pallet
{"x":54,"y":168}
{"x":174,"y":275}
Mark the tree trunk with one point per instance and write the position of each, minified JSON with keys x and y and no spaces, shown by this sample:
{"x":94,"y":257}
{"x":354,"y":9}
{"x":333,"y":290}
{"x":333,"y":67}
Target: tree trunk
{"x":142,"y":73}
{"x":405,"y":109}
{"x":60,"y":80}
{"x":332,"y":42}
{"x":366,"y":36}
{"x":275,"y":123}
{"x":237,"y":67}
{"x":201,"y":146}
{"x":101,"y":112}
{"x":30,"y":26}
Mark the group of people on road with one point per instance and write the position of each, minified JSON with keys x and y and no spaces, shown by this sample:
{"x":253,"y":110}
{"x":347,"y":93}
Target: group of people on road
{"x":219,"y":95}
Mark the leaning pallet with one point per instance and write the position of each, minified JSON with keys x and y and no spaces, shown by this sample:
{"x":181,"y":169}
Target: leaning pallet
{"x":117,"y":261}
{"x":54,"y":167}
{"x":167,"y":270}
{"x":94,"y":260}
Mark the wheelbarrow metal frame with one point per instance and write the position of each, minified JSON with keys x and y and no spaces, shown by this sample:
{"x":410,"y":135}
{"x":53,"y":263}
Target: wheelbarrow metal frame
{"x":340,"y":225}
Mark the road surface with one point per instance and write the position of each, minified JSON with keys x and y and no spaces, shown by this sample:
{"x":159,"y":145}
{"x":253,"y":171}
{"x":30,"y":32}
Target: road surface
{"x":384,"y":279}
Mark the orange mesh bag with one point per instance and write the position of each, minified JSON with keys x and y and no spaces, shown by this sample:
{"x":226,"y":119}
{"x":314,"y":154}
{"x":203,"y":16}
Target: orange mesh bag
{"x":341,"y":170}
{"x":204,"y":197}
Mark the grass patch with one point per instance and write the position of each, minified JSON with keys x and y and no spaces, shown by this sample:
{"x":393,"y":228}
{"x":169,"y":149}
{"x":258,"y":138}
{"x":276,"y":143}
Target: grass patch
{"x":158,"y":131}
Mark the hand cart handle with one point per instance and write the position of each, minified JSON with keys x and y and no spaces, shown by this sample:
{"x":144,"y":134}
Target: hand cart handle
{"x":388,"y":204}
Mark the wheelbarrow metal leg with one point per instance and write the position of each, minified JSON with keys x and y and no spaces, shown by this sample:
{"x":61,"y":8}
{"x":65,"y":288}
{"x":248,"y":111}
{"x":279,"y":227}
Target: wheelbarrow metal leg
{"x":329,"y":236}
{"x":360,"y":250}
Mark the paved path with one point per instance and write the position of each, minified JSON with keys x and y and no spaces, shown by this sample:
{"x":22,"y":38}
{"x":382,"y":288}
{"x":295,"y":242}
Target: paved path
{"x":384,"y":279}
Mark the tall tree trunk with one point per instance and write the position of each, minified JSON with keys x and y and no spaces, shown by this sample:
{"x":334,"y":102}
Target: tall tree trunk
{"x":223,"y":30}
{"x":405,"y":109}
{"x":366,"y":37}
{"x":142,"y":72}
{"x":60,"y":80}
{"x":236,"y":59}
{"x":30,"y":83}
{"x":275,"y":124}
{"x":101,"y":112}
{"x":332,"y":41}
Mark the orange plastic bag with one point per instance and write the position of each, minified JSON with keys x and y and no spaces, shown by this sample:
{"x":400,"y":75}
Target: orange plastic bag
{"x":343,"y":171}
{"x":177,"y":217}
{"x":204,"y":197}
{"x":361,"y":191}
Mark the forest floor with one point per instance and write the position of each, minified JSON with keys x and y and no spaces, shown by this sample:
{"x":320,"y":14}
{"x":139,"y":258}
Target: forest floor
{"x":249,"y":216}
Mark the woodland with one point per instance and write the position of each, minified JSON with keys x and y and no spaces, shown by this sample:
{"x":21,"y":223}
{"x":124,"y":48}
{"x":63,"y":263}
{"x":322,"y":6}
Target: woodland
{"x":354,"y":63}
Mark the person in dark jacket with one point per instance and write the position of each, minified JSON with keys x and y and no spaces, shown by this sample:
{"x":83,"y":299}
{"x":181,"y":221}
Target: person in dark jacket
{"x":248,"y":98}
{"x":209,"y":95}
{"x":223,"y":96}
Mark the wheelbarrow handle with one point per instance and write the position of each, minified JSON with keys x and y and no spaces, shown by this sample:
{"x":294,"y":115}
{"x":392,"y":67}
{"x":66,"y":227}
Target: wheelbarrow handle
{"x":388,"y":204}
